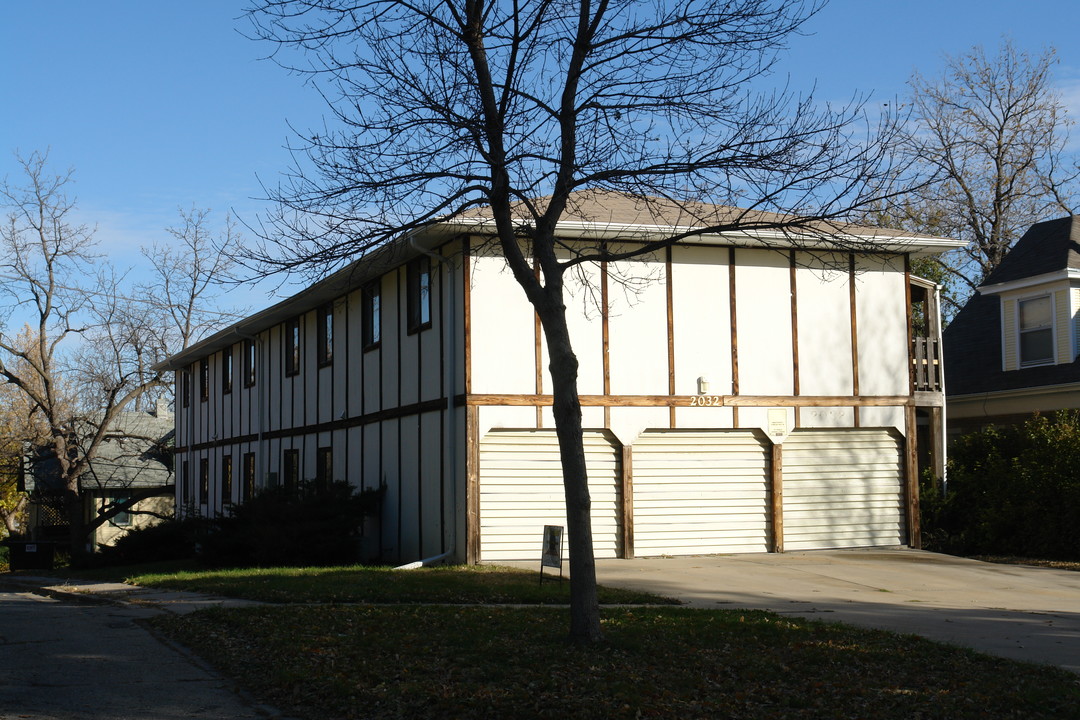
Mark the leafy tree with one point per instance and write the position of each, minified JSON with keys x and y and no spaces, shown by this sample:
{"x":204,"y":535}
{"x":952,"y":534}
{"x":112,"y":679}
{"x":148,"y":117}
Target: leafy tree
{"x":443,"y":108}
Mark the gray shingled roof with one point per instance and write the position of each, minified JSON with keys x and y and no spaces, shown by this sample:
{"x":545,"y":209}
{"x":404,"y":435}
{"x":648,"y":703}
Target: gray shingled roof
{"x":1045,"y":248}
{"x":972,"y":341}
{"x":131,"y":457}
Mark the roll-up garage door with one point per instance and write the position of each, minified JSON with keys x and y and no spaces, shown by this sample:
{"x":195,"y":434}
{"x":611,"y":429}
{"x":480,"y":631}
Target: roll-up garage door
{"x":521,"y":490}
{"x":843,"y":488}
{"x":700,"y":492}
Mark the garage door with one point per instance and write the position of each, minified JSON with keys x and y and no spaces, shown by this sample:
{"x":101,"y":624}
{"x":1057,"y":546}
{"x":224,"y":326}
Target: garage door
{"x":700,"y":492}
{"x":843,"y":488}
{"x":521,"y":490}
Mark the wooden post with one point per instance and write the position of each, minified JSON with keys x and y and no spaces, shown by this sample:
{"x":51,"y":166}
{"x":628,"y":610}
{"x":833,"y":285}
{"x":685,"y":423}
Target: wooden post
{"x":472,"y":484}
{"x":911,"y":478}
{"x":627,"y":509}
{"x":776,"y":498}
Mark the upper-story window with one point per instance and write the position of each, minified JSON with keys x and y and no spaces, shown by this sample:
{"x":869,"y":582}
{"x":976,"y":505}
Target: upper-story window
{"x":418,"y":279}
{"x":372,"y":311}
{"x":249,"y":363}
{"x":185,"y":387}
{"x":292,"y":346}
{"x":204,"y":379}
{"x":326,"y":333}
{"x":226,"y":370}
{"x":1036,"y":331}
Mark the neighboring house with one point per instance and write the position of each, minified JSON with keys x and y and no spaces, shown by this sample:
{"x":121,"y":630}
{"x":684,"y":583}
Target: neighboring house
{"x":739,"y":394}
{"x":134,"y":459}
{"x":1012,"y":350}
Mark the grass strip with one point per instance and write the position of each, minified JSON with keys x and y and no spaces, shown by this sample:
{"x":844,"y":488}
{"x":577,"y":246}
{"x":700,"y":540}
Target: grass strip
{"x":466,"y":584}
{"x":486,"y":662}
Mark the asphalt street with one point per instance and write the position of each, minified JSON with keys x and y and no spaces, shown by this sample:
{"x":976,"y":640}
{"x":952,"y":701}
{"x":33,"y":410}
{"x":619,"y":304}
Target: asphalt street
{"x":65,"y":658}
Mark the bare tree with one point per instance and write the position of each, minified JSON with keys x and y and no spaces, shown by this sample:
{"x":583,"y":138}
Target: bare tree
{"x":993,"y":135}
{"x":441,"y":107}
{"x":189,"y":272}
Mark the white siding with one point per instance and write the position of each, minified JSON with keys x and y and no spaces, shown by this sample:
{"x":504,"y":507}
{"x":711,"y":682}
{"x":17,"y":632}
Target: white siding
{"x":697,"y":493}
{"x":638,"y":327}
{"x":521,"y":490}
{"x":763,"y":308}
{"x":842,"y":488}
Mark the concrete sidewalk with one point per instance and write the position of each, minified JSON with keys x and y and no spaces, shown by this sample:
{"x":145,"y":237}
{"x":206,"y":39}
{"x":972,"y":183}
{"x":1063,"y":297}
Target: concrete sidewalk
{"x":177,"y":602}
{"x":1019,"y":612}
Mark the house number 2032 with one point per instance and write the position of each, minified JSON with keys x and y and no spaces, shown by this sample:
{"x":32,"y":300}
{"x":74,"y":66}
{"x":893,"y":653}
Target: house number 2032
{"x":706,"y":401}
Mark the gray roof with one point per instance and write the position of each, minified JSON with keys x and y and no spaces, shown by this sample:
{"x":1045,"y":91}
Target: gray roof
{"x":133,"y":455}
{"x":972,"y":341}
{"x":1046,"y":247}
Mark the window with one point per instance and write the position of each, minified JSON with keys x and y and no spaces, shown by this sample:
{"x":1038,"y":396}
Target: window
{"x":372,"y":329}
{"x":249,"y":363}
{"x":122,"y":518}
{"x":226,"y":479}
{"x":291,"y":471}
{"x":292,"y":346}
{"x":185,"y":483}
{"x":1036,"y":331}
{"x":418,"y":279}
{"x":324,"y":470}
{"x":185,"y":387}
{"x":326,"y":334}
{"x":226,"y":370}
{"x":204,"y":480}
{"x":204,"y":379}
{"x":249,"y":476}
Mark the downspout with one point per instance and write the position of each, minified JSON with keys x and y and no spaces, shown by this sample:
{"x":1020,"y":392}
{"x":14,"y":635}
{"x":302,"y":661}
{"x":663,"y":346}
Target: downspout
{"x":449,"y":382}
{"x":944,"y":405}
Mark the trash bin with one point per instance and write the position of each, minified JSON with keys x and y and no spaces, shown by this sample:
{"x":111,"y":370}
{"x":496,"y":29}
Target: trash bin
{"x":25,"y":555}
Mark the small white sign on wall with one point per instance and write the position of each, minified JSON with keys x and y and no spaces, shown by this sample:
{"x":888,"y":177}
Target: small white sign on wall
{"x":778,"y":426}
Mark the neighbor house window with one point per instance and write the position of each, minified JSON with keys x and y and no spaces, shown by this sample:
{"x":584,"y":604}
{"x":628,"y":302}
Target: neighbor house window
{"x":204,"y":480}
{"x":372,"y":321}
{"x":249,"y":476}
{"x":226,"y":370}
{"x":226,"y":479}
{"x":418,"y":280}
{"x":204,"y":378}
{"x":292,"y":346}
{"x":324,"y":469}
{"x":1036,"y":331}
{"x":185,"y":387}
{"x":290,"y":470}
{"x":326,"y":334}
{"x":122,"y":518}
{"x":249,"y":363}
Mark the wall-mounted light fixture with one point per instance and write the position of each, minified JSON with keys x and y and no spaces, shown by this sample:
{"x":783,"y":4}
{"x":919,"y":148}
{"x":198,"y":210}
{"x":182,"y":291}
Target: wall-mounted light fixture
{"x":703,"y":385}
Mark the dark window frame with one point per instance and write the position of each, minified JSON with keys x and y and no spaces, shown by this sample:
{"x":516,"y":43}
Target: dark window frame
{"x":418,"y":295}
{"x":290,"y":470}
{"x":324,"y":467}
{"x":226,"y":479}
{"x":204,"y":379}
{"x":291,"y":347}
{"x":185,"y":388}
{"x":249,"y":363}
{"x":325,"y":315}
{"x":227,"y":370}
{"x":1046,"y":329}
{"x":204,"y":480}
{"x":249,"y":476}
{"x":371,"y":329}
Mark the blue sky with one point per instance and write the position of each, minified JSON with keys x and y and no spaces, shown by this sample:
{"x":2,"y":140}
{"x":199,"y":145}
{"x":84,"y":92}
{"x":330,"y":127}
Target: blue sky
{"x":157,"y":105}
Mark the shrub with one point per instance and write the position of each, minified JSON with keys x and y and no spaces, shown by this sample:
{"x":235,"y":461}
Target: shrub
{"x":167,"y":540}
{"x":316,"y":526}
{"x":1012,"y":491}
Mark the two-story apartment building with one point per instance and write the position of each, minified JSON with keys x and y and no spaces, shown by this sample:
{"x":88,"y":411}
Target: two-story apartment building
{"x":742,"y":393}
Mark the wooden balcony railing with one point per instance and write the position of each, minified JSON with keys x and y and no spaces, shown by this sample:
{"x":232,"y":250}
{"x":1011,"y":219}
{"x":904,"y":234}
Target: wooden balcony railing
{"x":926,"y":364}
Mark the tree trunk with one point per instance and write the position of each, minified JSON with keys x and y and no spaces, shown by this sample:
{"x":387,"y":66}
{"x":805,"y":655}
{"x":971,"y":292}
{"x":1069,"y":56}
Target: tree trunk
{"x":584,"y":606}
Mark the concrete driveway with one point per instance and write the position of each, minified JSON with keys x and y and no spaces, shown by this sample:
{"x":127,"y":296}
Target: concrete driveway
{"x":1018,"y":612}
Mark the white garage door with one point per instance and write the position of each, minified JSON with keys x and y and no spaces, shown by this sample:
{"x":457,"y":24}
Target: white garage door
{"x":521,"y":490}
{"x":700,"y":492}
{"x":843,"y":488}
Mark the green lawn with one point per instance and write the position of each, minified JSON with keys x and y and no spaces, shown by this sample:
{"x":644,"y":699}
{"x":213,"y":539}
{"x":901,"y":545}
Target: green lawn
{"x":337,"y":661}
